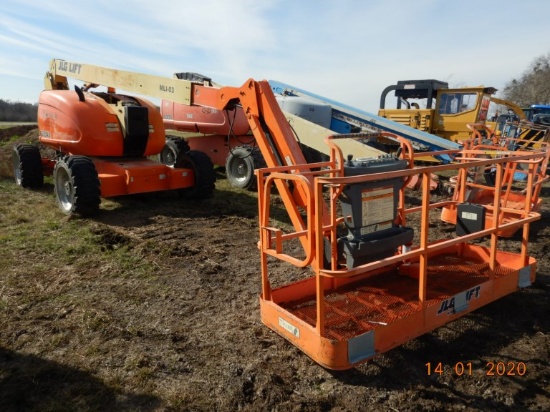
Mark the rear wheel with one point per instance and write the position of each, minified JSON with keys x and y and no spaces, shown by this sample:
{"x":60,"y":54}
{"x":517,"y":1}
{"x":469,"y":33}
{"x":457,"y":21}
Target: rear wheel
{"x":240,"y":165}
{"x":173,"y":148}
{"x":76,"y":185}
{"x":27,"y":166}
{"x":205,"y":177}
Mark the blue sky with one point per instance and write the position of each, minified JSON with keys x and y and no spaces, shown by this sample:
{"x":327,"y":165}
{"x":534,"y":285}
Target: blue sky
{"x":346,"y":50}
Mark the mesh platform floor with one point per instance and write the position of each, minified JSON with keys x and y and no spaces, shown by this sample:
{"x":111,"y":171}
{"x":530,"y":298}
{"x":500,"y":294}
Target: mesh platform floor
{"x":385,"y":298}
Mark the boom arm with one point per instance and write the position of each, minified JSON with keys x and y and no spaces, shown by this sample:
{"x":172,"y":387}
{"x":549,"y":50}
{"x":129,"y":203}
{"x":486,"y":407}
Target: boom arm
{"x":177,"y":90}
{"x":266,"y":119}
{"x":272,"y":131}
{"x":517,"y":110}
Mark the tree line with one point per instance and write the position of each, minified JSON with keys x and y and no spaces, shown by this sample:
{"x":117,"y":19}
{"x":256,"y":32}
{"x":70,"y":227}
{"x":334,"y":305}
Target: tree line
{"x":17,"y":111}
{"x":533,"y":86}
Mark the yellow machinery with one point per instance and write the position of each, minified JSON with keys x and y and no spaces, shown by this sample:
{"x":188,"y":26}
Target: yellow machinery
{"x":448,"y":111}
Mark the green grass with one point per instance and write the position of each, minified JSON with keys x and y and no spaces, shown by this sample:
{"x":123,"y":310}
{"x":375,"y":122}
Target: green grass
{"x":64,"y":281}
{"x":33,"y":230}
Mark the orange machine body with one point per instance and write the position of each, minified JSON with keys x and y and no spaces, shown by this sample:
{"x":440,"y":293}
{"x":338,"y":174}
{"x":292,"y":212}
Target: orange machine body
{"x":211,"y":131}
{"x":92,"y":127}
{"x":201,"y":119}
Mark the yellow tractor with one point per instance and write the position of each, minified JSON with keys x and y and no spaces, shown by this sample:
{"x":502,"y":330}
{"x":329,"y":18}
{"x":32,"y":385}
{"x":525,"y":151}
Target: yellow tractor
{"x":447,"y":111}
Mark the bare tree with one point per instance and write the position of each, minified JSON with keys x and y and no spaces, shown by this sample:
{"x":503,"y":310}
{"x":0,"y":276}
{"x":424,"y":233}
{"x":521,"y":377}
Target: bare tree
{"x":533,"y":87}
{"x":17,"y":111}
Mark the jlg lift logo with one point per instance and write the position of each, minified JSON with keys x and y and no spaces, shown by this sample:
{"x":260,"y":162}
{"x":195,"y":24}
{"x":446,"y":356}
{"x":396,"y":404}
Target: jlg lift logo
{"x":450,"y":305}
{"x":69,"y":67}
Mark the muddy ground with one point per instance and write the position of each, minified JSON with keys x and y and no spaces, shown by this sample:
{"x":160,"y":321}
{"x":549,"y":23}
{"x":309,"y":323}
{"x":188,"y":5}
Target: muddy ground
{"x":187,"y":334}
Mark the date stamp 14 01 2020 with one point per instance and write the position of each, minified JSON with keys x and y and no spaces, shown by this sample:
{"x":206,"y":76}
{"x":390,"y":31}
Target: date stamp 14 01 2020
{"x":467,"y":369}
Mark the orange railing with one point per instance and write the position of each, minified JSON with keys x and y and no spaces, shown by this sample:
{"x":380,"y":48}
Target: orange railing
{"x":323,"y":188}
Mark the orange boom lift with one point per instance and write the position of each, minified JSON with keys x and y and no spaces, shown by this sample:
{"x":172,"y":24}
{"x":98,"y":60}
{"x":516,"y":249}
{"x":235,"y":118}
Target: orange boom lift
{"x":474,"y":188}
{"x":103,"y":141}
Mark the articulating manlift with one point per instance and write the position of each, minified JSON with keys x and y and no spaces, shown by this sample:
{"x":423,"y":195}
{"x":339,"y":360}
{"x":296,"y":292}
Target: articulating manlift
{"x":375,"y":282}
{"x":374,"y":285}
{"x":103,"y":141}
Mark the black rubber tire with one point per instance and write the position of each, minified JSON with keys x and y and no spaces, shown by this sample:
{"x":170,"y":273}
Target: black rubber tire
{"x":205,"y":177}
{"x":240,"y":165}
{"x":27,"y":166}
{"x":77,"y":186}
{"x":173,"y":148}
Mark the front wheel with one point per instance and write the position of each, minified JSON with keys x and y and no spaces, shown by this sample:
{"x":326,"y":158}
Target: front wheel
{"x":27,"y":166}
{"x":240,"y":165}
{"x":76,"y":185}
{"x":205,"y":177}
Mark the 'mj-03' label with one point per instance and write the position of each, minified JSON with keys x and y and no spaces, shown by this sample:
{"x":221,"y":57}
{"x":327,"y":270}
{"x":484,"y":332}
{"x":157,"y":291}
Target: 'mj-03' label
{"x":459,"y":302}
{"x":166,"y":89}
